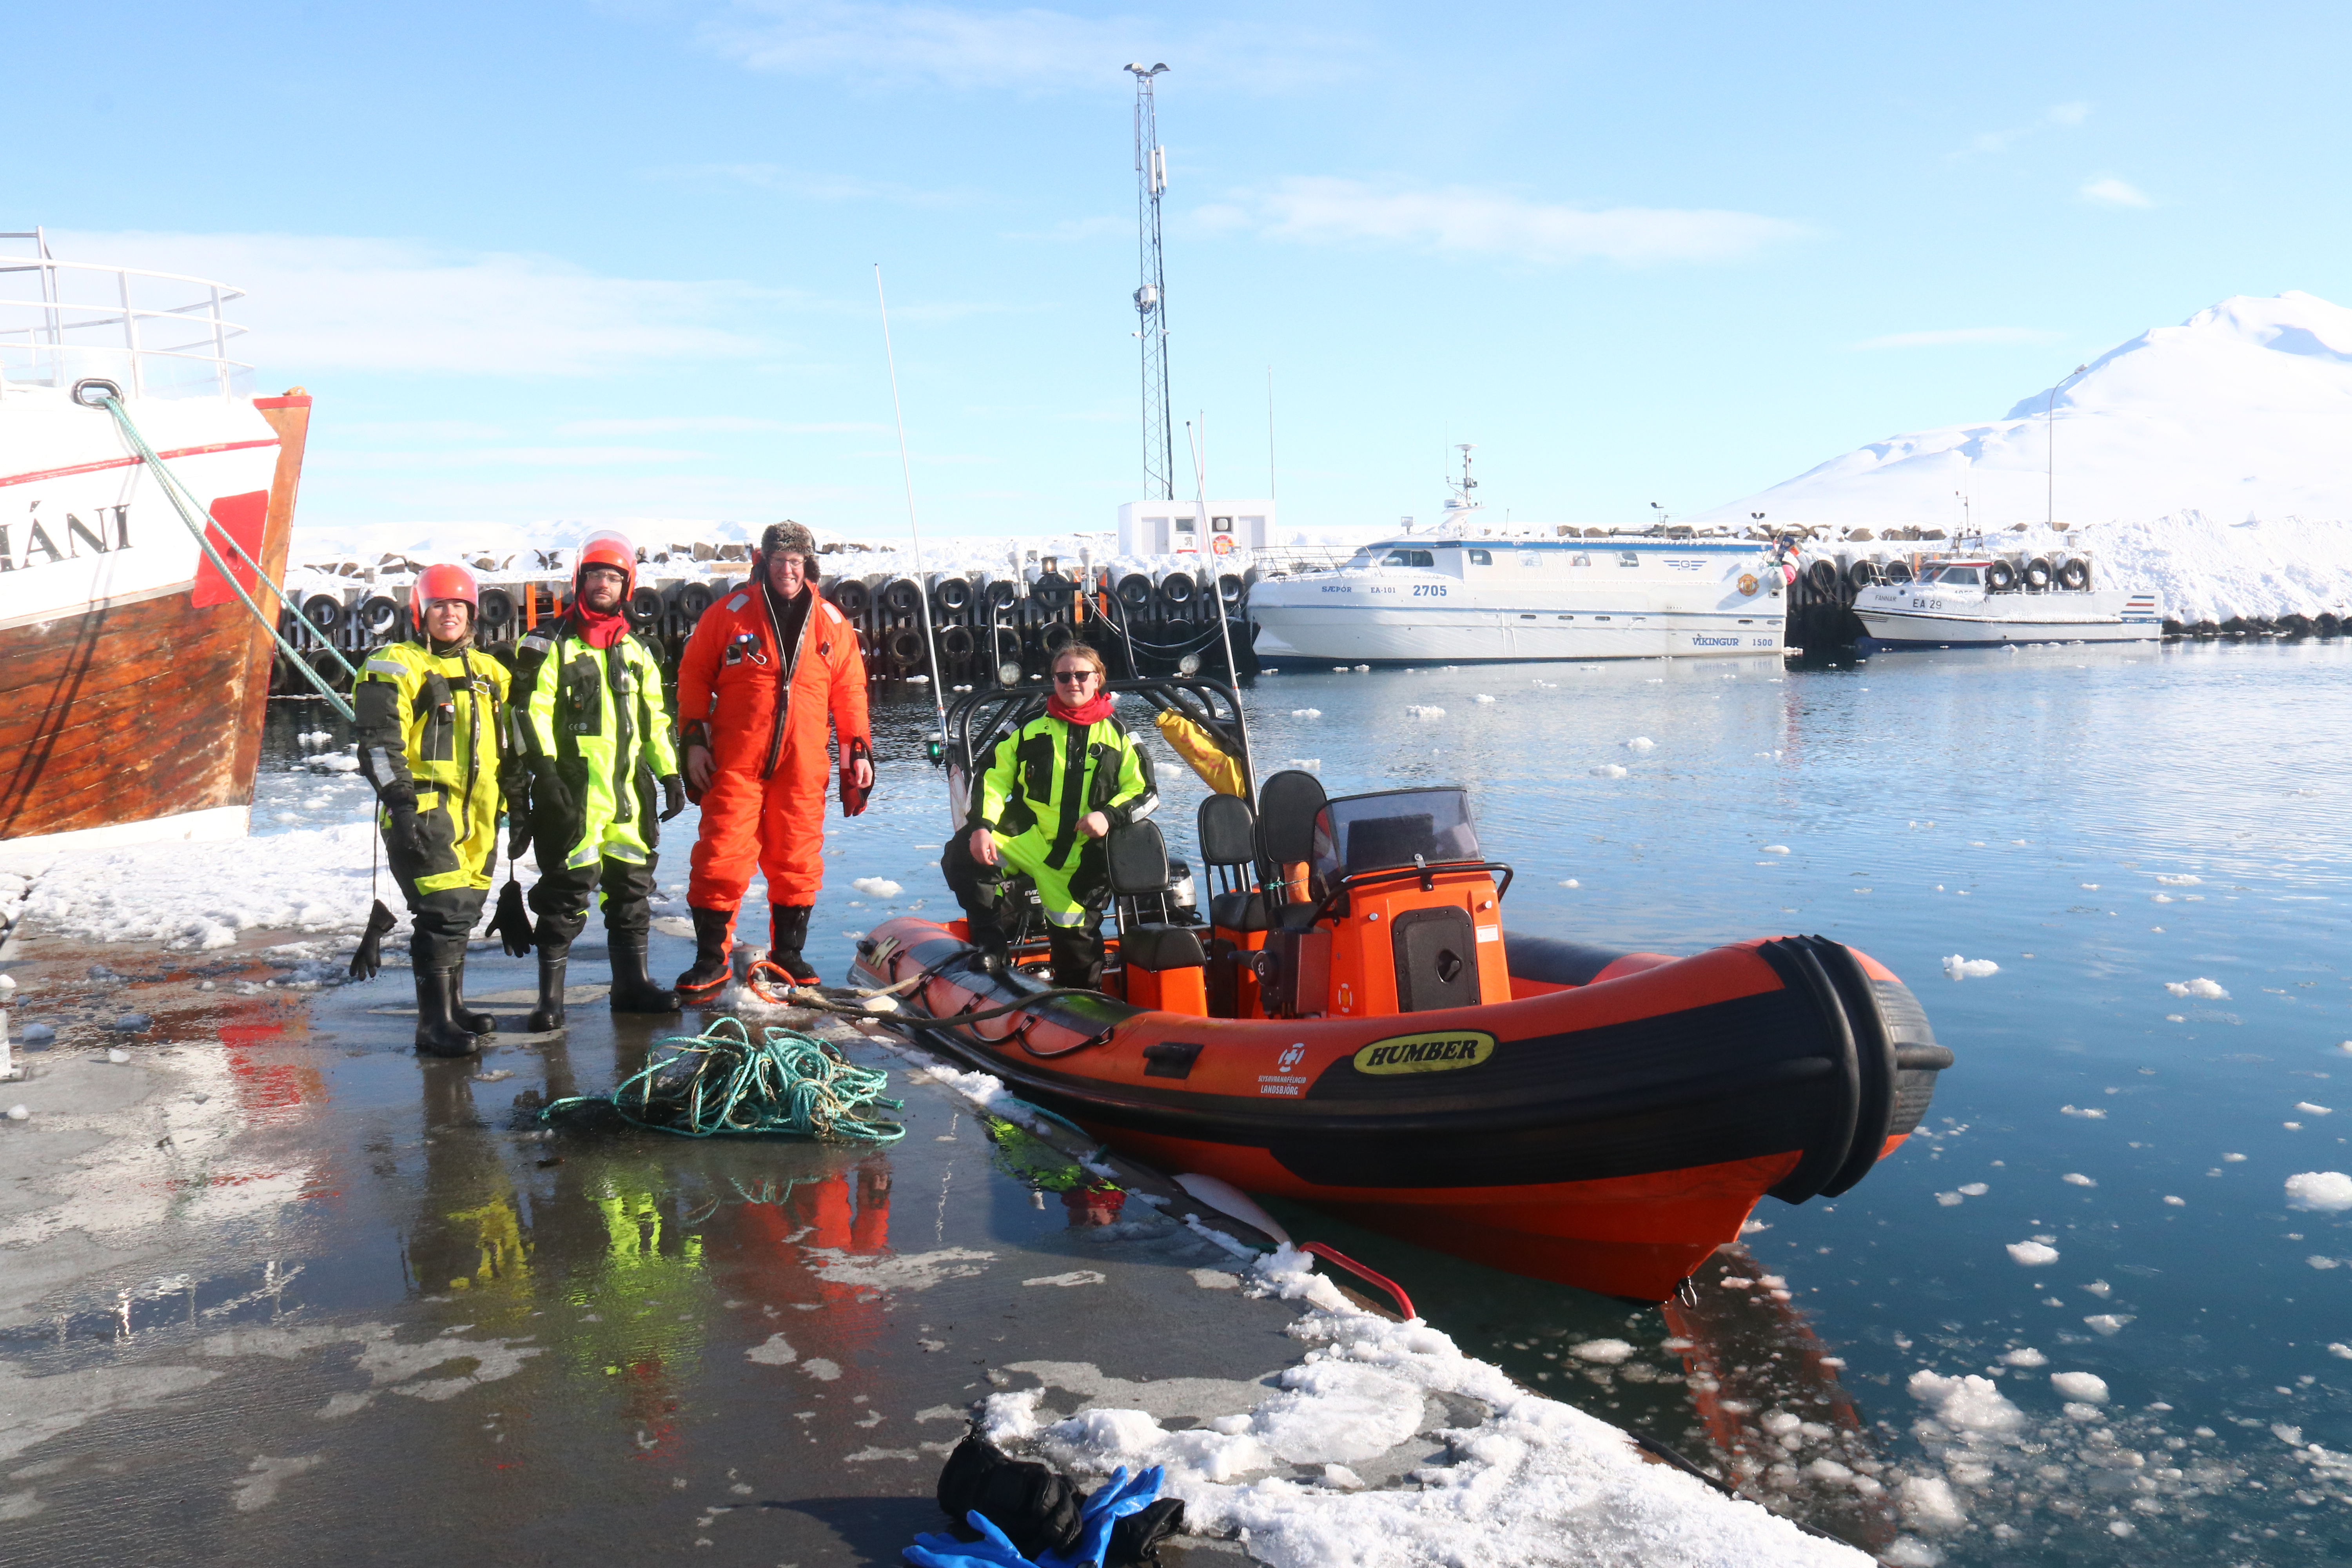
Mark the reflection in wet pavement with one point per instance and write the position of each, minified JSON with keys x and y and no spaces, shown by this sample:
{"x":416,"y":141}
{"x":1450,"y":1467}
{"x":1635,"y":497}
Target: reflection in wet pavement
{"x":309,"y":1298}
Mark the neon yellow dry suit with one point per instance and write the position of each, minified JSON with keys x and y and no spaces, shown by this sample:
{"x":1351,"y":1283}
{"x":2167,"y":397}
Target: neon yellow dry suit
{"x":1040,"y":781}
{"x":598,"y":717}
{"x":430,"y":721}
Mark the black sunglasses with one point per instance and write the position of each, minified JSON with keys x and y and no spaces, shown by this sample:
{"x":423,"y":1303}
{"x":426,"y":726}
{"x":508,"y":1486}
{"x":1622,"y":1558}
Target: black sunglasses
{"x":1072,"y":677}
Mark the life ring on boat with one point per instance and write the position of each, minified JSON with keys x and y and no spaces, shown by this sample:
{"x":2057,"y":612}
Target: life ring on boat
{"x":2037,"y":575}
{"x":1823,"y":575}
{"x":1999,"y":577}
{"x":2074,"y":575}
{"x":1863,"y":573}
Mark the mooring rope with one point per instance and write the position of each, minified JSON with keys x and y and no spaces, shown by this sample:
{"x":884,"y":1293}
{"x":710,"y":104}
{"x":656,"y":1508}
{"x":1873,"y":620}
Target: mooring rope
{"x":722,"y":1081}
{"x":189,"y":510}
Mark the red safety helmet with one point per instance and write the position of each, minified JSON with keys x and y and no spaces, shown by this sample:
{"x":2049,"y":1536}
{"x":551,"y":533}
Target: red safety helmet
{"x":444,"y":581}
{"x":608,"y":549}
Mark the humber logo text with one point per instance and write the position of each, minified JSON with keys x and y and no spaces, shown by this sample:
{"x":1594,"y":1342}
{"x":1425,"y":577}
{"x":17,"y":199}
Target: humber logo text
{"x":1438,"y":1052}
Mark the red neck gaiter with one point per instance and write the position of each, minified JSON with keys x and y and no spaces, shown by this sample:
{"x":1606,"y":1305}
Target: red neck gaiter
{"x":601,"y":628}
{"x":1093,"y":712}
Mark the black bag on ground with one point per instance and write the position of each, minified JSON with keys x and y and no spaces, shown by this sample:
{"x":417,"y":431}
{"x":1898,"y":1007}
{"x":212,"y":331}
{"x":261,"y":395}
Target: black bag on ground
{"x":1035,"y":1507}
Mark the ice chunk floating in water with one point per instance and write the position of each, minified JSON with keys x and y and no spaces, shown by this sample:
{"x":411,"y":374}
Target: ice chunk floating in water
{"x":2327,"y":1192}
{"x":1640,"y":743}
{"x":2032,"y":1254}
{"x":2087,"y":1386}
{"x":1970,"y":968}
{"x":878,"y":887}
{"x":2208,"y":989}
{"x":1609,"y":770}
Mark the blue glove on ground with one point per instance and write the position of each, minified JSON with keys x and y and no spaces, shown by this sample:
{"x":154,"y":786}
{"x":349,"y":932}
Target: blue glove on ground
{"x":1111,"y":1501}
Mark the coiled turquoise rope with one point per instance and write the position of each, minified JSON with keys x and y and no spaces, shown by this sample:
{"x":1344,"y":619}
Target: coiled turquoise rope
{"x":721,"y":1081}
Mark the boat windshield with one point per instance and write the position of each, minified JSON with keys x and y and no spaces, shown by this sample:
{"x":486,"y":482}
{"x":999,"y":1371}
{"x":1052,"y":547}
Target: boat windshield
{"x":1372,"y":832}
{"x":1929,"y":573}
{"x":1410,"y":558}
{"x":1959,"y":574}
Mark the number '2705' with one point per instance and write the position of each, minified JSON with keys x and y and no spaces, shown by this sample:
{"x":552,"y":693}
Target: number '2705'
{"x":1429,"y":590}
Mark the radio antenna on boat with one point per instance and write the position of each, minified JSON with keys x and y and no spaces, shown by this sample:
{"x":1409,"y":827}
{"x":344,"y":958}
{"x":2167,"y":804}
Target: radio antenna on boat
{"x":1217,"y":586}
{"x":907,"y":470}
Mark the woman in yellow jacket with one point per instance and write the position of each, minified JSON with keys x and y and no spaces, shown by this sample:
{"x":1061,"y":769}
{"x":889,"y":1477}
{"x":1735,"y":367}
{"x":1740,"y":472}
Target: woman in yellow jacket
{"x":429,"y":714}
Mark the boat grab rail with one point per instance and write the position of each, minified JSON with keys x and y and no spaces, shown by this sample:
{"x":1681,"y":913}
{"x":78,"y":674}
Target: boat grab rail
{"x":1336,"y":900}
{"x":60,"y":326}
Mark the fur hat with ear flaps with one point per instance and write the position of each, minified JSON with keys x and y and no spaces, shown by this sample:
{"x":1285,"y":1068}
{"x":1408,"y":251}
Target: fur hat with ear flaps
{"x":791,"y":536}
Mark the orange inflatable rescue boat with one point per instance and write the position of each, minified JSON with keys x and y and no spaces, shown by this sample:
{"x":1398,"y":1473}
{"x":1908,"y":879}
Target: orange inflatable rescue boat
{"x":1352,"y":1024}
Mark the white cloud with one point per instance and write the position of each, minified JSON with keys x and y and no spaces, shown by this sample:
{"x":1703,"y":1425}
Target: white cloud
{"x":322,"y":302}
{"x":2065,"y":115}
{"x":1028,"y":49}
{"x":1462,"y":221}
{"x":1948,"y":337}
{"x":728,"y":424}
{"x":2109,"y":192}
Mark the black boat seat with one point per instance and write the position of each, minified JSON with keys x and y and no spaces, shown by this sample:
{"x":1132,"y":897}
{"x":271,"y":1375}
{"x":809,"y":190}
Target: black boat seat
{"x":1238,"y":910}
{"x":1160,"y":948}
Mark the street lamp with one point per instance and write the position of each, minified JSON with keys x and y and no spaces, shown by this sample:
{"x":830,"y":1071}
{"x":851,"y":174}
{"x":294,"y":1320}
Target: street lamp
{"x":2050,"y":447}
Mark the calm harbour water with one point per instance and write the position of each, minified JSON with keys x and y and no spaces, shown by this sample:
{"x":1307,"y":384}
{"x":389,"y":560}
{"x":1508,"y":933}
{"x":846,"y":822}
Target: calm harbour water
{"x":2102,"y":825}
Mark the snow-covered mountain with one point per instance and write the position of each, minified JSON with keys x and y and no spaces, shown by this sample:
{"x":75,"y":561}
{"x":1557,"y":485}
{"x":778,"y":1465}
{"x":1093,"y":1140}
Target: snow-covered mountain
{"x":2243,"y":411}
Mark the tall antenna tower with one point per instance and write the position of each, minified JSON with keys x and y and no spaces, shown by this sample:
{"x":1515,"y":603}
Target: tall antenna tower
{"x":1151,"y":294}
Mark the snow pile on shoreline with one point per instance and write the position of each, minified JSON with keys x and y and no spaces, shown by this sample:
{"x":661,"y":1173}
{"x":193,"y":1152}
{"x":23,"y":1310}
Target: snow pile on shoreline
{"x":2238,"y":413}
{"x":1535,"y":1481}
{"x":200,"y":896}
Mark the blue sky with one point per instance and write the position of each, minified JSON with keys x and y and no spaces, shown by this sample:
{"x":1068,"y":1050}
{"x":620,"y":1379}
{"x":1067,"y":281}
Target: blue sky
{"x":614,"y":259}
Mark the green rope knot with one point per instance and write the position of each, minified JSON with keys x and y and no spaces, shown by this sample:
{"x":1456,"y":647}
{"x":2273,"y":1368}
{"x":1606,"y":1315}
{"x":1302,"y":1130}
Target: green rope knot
{"x":721,"y":1081}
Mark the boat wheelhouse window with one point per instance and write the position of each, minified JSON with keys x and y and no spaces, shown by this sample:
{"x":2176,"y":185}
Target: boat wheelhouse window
{"x":1482,"y":558}
{"x":1374,"y":832}
{"x":1929,"y":573}
{"x":1410,"y":558}
{"x":1628,"y":558}
{"x":1963,"y":574}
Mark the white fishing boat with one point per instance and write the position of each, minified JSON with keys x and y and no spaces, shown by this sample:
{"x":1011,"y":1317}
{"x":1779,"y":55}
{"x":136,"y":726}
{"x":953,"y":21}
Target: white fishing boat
{"x":1471,"y":591}
{"x":1971,"y":600}
{"x":132,"y":674}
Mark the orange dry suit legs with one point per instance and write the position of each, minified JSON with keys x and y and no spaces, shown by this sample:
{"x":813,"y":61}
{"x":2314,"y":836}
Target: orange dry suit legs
{"x":765,"y":717}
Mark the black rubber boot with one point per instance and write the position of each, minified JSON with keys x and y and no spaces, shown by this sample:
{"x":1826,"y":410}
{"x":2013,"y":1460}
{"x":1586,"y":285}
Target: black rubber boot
{"x":708,"y":976}
{"x":437,"y":1033}
{"x":473,"y":1023}
{"x":1077,"y":958}
{"x":549,"y":1013}
{"x":788,"y":925}
{"x":634,"y":990}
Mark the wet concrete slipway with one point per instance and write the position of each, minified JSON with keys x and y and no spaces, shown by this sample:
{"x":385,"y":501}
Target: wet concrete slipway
{"x":274,"y":1290}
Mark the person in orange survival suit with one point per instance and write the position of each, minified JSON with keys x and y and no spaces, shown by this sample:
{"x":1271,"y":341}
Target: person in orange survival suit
{"x":765,"y":669}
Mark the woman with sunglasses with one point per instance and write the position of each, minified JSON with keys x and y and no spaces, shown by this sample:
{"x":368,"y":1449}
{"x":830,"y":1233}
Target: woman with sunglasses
{"x":1052,"y":790}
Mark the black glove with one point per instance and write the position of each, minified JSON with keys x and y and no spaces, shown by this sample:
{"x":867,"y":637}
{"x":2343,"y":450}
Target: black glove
{"x":551,"y":795}
{"x":403,"y":834}
{"x":517,"y":829}
{"x":673,"y":795}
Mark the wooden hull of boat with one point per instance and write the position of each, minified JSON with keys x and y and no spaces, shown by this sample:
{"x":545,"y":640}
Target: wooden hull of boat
{"x":1607,"y":1128}
{"x":147,"y":708}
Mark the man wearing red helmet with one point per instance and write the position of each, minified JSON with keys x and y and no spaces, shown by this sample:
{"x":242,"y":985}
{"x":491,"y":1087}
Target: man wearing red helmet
{"x":766,"y":667}
{"x":594,"y":736}
{"x":429,"y":713}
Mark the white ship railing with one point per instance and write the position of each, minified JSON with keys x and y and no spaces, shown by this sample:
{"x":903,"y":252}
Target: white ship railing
{"x":155,"y":334}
